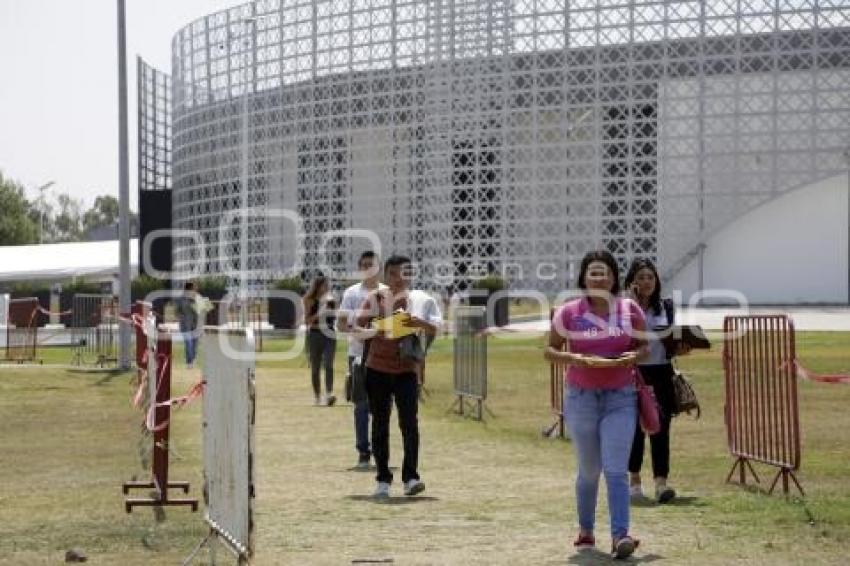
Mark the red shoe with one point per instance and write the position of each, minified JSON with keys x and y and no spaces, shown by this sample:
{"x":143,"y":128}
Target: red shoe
{"x":624,"y":547}
{"x":584,"y":542}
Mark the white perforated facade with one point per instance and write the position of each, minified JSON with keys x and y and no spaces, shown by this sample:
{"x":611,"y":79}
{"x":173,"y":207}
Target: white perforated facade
{"x":507,"y":136}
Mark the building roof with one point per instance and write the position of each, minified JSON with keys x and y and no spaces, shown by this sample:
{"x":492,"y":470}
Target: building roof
{"x":93,"y":260}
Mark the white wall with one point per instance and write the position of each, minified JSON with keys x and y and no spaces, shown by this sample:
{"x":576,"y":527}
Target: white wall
{"x":792,"y":250}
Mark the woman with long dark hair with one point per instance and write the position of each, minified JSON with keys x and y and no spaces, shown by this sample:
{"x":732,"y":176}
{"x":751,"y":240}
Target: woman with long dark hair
{"x":320,"y":319}
{"x":644,"y":286}
{"x":595,"y":336}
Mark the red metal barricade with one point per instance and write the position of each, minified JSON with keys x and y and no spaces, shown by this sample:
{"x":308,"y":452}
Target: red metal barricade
{"x":139,"y":310}
{"x":157,"y":420}
{"x":22,"y":330}
{"x":761,"y":412}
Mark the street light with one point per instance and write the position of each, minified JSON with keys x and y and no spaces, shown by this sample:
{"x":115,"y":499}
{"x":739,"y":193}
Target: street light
{"x":249,"y":23}
{"x":846,"y":156}
{"x":41,"y":201}
{"x":123,"y":192}
{"x":241,"y":31}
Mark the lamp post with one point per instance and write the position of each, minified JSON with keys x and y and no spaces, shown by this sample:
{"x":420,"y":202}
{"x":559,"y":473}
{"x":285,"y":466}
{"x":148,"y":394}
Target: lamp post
{"x":41,"y":191}
{"x":846,"y":156}
{"x":247,"y":37}
{"x":123,"y":193}
{"x":249,"y":23}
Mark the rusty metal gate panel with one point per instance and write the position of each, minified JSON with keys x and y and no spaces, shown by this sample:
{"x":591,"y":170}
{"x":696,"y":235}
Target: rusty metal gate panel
{"x":761,"y":412}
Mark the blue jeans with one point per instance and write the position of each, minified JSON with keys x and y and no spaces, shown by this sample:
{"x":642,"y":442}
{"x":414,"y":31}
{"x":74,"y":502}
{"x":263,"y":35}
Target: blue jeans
{"x":190,"y":344}
{"x":361,"y":421}
{"x":602,"y":427}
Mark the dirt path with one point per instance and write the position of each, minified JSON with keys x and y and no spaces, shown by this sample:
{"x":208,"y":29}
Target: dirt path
{"x":487,"y":500}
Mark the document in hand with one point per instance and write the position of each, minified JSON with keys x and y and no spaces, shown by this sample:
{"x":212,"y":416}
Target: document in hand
{"x":394,"y":325}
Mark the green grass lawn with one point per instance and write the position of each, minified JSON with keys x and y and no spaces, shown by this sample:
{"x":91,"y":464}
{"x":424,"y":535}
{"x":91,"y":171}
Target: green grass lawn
{"x":498,"y":493}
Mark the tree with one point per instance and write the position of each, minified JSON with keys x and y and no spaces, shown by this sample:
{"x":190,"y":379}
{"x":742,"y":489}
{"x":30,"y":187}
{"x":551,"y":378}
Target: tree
{"x":16,"y":224}
{"x":103,"y":213}
{"x":68,"y":221}
{"x":41,"y":212}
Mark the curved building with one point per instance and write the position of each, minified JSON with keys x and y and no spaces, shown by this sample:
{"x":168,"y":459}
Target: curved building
{"x":494,"y":136}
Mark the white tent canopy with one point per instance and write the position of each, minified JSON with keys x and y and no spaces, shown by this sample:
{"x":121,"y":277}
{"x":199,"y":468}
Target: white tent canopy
{"x":96,"y":261}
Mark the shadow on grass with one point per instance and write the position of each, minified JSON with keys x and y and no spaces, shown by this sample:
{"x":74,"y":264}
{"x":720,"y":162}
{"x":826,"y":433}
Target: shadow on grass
{"x":686,"y":502}
{"x":360,"y":470}
{"x":596,"y":556}
{"x":399,"y":500}
{"x":675,"y":502}
{"x":371,"y":468}
{"x":755,"y":489}
{"x":109,"y":376}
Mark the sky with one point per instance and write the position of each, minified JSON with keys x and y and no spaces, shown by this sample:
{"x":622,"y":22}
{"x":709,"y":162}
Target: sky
{"x":59,"y":87}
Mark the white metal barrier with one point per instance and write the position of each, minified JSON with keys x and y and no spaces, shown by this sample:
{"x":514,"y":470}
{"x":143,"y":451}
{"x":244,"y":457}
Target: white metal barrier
{"x":470,"y":357}
{"x":228,"y":436}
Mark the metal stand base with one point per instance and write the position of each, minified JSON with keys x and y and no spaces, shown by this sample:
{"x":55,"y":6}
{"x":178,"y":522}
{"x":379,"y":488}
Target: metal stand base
{"x":476,"y":405}
{"x":786,"y":473}
{"x":555,"y":430}
{"x":208,"y":540}
{"x":163,"y":500}
{"x":742,"y":464}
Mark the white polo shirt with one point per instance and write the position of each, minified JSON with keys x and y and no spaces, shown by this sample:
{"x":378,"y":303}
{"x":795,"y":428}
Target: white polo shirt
{"x":352,"y":298}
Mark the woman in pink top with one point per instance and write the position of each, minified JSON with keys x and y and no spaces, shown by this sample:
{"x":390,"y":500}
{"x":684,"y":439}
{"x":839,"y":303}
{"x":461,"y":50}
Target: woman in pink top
{"x":595,"y":335}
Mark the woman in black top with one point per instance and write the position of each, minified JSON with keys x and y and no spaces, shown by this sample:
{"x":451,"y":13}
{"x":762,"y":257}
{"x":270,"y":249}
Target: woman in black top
{"x":320,"y":319}
{"x":643,"y":284}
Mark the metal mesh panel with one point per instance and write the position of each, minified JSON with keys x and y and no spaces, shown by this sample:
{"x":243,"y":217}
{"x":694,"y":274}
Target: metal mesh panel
{"x":470,"y":357}
{"x":94,"y":329}
{"x":498,"y":136}
{"x":154,"y":128}
{"x":229,"y":401}
{"x":470,"y":352}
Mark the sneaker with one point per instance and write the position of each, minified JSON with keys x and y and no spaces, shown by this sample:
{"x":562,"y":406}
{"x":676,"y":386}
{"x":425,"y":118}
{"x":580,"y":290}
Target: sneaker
{"x":624,"y":547}
{"x":585,"y":542}
{"x":317,"y":401}
{"x":664,"y":494}
{"x":330,"y":399}
{"x":363,"y":462}
{"x":412,"y":487}
{"x":382,"y":490}
{"x":636,"y":491}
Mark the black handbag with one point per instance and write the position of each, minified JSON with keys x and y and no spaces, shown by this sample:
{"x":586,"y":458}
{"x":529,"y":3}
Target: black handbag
{"x":358,"y":381}
{"x":410,"y":348}
{"x":358,"y":375}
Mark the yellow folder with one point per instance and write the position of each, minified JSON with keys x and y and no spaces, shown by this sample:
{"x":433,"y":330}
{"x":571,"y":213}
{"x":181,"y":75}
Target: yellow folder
{"x":393,"y":325}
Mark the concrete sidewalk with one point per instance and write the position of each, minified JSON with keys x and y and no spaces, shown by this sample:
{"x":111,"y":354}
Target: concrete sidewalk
{"x":711,"y":318}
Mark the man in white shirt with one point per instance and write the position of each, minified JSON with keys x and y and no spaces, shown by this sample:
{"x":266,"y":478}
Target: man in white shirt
{"x":352,"y":298}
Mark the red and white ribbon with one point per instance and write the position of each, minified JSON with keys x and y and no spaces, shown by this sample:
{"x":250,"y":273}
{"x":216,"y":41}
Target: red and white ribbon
{"x":43,"y":310}
{"x":803,"y":373}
